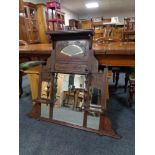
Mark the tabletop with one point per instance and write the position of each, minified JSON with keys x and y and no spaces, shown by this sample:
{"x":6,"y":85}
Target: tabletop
{"x":126,"y":48}
{"x":45,"y":48}
{"x":108,"y":54}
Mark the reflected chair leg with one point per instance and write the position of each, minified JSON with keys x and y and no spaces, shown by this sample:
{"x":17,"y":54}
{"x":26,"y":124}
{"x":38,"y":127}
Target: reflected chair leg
{"x":75,"y":100}
{"x":85,"y":118}
{"x":131,"y":93}
{"x":117,"y":78}
{"x":20,"y":83}
{"x":114,"y":75}
{"x":126,"y":82}
{"x":130,"y":98}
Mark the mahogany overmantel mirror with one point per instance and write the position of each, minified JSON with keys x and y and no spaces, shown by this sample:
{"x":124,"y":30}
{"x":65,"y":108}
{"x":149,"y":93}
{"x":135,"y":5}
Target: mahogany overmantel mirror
{"x":76,"y":90}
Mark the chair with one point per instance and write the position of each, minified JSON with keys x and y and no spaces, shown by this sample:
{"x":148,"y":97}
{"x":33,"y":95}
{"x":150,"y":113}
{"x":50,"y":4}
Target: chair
{"x":116,"y":72}
{"x":26,"y":65}
{"x":129,"y":29}
{"x":69,"y":98}
{"x":116,"y":35}
{"x":109,"y":35}
{"x":128,"y":33}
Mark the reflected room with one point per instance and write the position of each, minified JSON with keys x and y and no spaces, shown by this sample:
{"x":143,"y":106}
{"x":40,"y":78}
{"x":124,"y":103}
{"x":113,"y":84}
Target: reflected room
{"x":69,"y":103}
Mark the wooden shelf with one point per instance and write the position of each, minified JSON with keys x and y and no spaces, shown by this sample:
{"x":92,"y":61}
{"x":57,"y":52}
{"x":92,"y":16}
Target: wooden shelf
{"x":55,"y":18}
{"x":31,"y":23}
{"x":53,"y":5}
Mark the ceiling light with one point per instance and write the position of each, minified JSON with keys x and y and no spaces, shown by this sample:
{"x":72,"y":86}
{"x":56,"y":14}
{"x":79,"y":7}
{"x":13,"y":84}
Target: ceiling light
{"x":91,"y":5}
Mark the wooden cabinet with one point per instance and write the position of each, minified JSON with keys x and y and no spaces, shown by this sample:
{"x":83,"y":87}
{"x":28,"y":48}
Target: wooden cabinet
{"x":97,"y":24}
{"x":21,"y":5}
{"x":86,"y":24}
{"x":74,"y":24}
{"x":31,"y":23}
{"x":22,"y":30}
{"x":42,"y":25}
{"x":129,"y":29}
{"x":55,"y":18}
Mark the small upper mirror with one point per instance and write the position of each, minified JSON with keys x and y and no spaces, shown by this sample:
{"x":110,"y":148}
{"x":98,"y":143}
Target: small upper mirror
{"x":72,"y":50}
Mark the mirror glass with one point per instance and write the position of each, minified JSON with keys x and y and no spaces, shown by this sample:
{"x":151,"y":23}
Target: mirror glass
{"x":93,"y":120}
{"x":94,"y":113}
{"x":69,"y":99}
{"x":45,"y":94}
{"x":72,"y":50}
{"x":69,"y":103}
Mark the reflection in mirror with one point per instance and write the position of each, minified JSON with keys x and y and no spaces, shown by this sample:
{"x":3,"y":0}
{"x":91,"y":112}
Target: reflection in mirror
{"x":69,"y":104}
{"x":95,"y":94}
{"x":69,"y":99}
{"x":45,"y":90}
{"x":45,"y":94}
{"x":72,"y":50}
{"x":95,"y":108}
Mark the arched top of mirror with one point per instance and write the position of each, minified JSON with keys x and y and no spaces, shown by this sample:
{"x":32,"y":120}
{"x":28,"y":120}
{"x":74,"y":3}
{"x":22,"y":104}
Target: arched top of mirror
{"x":73,"y":48}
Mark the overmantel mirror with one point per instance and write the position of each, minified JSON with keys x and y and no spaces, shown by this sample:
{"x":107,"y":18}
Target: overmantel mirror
{"x":77,"y":89}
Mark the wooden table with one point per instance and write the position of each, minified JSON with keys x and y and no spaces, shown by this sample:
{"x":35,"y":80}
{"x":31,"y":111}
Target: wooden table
{"x":112,"y":54}
{"x":115,"y":54}
{"x":34,"y":52}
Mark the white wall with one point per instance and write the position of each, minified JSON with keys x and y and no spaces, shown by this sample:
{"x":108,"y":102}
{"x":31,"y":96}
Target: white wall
{"x":120,"y":15}
{"x":68,"y":15}
{"x":35,"y":1}
{"x":64,"y":86}
{"x":79,"y":79}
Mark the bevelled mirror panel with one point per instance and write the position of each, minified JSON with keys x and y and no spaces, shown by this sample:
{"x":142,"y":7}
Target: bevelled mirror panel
{"x":72,"y":50}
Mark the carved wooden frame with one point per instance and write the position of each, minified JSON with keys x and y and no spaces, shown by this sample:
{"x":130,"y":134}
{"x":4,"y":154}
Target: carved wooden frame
{"x":86,"y":65}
